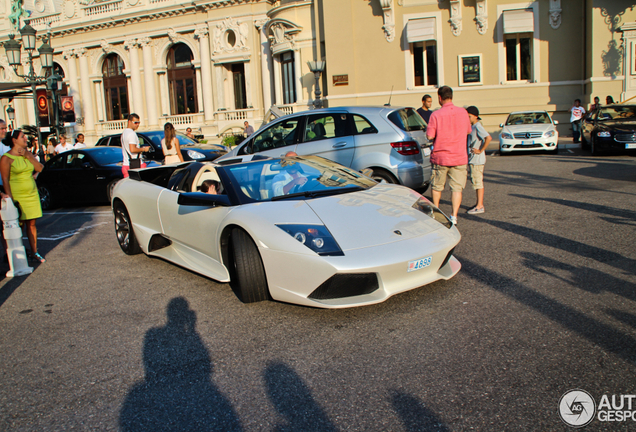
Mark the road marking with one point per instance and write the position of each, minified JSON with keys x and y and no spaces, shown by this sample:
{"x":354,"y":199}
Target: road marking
{"x":80,"y":213}
{"x":67,"y":234}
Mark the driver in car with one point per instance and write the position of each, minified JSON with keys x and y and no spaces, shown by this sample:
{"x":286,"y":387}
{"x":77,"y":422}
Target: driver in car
{"x":289,"y":180}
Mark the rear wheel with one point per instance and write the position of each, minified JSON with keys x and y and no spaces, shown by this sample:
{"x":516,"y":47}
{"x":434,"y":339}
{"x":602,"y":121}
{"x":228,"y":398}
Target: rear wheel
{"x":594,"y":148}
{"x":380,"y":174}
{"x":248,"y":274}
{"x":46,"y":199}
{"x":124,"y":231}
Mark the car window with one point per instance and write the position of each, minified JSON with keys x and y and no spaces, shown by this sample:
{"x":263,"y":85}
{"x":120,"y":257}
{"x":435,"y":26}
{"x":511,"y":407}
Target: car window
{"x":102,"y":142}
{"x":408,"y":120}
{"x":115,"y":141}
{"x":619,"y":113}
{"x":107,"y":156}
{"x":75,"y":160}
{"x":325,"y":126}
{"x":528,"y":118}
{"x":278,"y":135}
{"x":57,"y":163}
{"x":155,"y":137}
{"x":362,"y":125}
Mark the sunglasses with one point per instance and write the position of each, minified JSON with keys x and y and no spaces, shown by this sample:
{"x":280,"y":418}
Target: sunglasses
{"x":136,"y":122}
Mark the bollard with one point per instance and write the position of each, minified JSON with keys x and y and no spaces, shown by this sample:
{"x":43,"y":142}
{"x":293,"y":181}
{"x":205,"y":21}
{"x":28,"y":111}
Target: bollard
{"x":13,"y":234}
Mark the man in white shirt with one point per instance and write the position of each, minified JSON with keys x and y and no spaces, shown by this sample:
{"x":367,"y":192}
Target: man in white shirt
{"x":63,"y":146}
{"x":289,"y":180}
{"x":130,"y":144}
{"x":79,"y":142}
{"x":577,"y":115}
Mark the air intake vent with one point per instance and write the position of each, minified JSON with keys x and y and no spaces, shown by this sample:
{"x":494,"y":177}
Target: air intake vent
{"x":448,"y":257}
{"x":346,"y":285}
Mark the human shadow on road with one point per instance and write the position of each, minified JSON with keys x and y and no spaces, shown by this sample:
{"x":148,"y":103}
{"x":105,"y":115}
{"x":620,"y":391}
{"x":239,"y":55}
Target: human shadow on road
{"x":627,"y":318}
{"x":292,"y":399}
{"x":600,"y":334}
{"x":10,"y":285}
{"x":596,"y":208}
{"x":414,"y":414}
{"x":177,"y":393}
{"x":605,"y":256}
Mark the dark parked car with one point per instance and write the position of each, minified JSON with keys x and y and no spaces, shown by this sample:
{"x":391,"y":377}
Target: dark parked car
{"x":610,"y":128}
{"x":190,"y":149}
{"x":80,"y":176}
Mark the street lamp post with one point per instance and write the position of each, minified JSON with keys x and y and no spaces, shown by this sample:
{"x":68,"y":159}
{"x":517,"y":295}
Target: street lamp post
{"x":11,"y":114}
{"x":317,"y":67}
{"x":12,"y":48}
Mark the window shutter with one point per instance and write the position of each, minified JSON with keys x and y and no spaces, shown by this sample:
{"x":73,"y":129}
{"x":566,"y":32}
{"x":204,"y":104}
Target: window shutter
{"x":518,"y":21}
{"x":419,"y":30}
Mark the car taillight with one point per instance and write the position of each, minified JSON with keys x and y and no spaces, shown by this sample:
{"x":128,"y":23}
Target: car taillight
{"x":406,"y":148}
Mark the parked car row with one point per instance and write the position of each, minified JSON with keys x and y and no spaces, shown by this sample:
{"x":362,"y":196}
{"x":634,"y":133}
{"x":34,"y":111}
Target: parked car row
{"x":610,"y":128}
{"x":526,"y":131}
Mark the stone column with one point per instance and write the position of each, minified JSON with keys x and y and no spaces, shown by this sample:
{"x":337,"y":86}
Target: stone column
{"x":206,"y":72}
{"x":135,"y":77}
{"x":73,"y":89}
{"x":248,"y":83}
{"x":278,"y":83}
{"x":220,"y":83}
{"x":197,"y":76}
{"x":163,"y":86}
{"x":266,"y":65}
{"x":149,"y":81}
{"x":87,"y":95}
{"x":299,"y":77}
{"x":99,"y":96}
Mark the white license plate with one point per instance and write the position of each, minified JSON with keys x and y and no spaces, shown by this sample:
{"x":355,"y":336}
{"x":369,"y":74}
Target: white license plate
{"x":419,"y":264}
{"x":630,"y":146}
{"x":426,"y":151}
{"x":527,"y":142}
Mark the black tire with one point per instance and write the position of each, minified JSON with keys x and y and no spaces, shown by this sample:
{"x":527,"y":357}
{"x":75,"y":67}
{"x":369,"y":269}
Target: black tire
{"x":584,"y":144}
{"x":379,"y":175}
{"x":503,"y":153}
{"x":556,"y":150}
{"x":124,"y":231}
{"x":109,"y":189}
{"x":46,"y":199}
{"x":594,"y":148}
{"x":247,"y":277}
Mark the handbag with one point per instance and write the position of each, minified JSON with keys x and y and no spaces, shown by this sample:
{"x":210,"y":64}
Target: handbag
{"x":135,"y":163}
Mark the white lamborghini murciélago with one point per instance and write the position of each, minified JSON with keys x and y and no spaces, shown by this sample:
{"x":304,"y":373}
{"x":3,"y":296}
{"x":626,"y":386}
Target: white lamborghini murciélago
{"x":301,"y":230}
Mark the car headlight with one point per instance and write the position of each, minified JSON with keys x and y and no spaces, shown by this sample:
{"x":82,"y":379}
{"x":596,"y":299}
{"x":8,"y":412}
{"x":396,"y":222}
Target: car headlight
{"x":315,"y":237}
{"x":604,"y":134}
{"x":427,"y":207}
{"x":549,"y":134}
{"x":506,"y":135}
{"x":193,"y":154}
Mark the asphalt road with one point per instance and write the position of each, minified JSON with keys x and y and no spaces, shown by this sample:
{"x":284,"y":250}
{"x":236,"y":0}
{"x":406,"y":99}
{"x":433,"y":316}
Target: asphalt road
{"x":544,"y":303}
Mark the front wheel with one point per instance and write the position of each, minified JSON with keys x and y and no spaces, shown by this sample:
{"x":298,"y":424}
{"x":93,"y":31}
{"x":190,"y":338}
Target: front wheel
{"x":124,"y":231}
{"x":46,"y":199}
{"x":594,"y":147}
{"x":247,"y":272}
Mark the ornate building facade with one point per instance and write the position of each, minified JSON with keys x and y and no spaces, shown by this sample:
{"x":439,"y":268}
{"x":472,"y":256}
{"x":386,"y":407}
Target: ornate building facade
{"x":213,"y":64}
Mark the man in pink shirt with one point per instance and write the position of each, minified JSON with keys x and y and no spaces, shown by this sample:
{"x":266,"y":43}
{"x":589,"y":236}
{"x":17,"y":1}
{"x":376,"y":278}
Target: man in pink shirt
{"x":449,"y":128}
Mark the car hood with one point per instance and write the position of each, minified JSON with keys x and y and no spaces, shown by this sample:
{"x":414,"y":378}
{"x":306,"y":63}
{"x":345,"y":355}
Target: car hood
{"x":528,"y":128}
{"x":618,"y":126}
{"x":376,"y":216}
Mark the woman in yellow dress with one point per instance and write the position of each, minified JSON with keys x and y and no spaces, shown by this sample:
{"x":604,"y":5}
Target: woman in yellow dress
{"x":16,"y":168}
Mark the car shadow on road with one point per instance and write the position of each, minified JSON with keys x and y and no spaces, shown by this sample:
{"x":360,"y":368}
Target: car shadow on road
{"x":177,"y":392}
{"x":600,"y":334}
{"x":292,"y":399}
{"x":414,"y":414}
{"x":613,"y":259}
{"x":596,"y":208}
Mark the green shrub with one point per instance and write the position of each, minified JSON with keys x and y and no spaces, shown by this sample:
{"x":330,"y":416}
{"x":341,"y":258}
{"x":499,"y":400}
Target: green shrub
{"x":232,"y":140}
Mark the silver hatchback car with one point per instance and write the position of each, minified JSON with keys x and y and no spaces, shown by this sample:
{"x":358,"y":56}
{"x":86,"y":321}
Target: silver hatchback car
{"x":391,"y":141}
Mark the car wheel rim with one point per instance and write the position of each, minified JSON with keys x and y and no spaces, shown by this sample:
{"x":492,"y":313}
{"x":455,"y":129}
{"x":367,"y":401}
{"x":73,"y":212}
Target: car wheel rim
{"x":45,"y":198}
{"x":122,"y":229}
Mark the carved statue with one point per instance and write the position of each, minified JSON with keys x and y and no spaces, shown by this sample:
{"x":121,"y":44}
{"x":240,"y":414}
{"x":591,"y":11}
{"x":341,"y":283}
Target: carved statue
{"x":17,"y":12}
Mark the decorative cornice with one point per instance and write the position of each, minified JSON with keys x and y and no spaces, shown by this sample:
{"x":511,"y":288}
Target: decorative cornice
{"x":106,"y":47}
{"x":481,"y":16}
{"x":144,"y":41}
{"x":222,"y":33}
{"x":130,"y":43}
{"x":555,"y":13}
{"x":201,"y":33}
{"x":281,"y":34}
{"x":456,"y":17}
{"x":389,"y":19}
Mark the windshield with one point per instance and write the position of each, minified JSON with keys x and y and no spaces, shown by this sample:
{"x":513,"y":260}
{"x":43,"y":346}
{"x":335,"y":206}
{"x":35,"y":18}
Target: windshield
{"x":157,"y":136}
{"x":620,"y":113}
{"x":106,"y":155}
{"x":528,"y":118}
{"x":289,"y":177}
{"x":408,"y":120}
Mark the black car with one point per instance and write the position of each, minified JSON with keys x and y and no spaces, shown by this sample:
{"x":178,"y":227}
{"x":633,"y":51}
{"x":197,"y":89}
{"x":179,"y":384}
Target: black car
{"x":610,"y":128}
{"x":190,"y":149}
{"x":80,"y":176}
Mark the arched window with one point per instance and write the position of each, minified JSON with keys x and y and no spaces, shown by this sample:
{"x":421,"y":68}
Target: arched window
{"x":115,"y":88}
{"x":182,"y":80}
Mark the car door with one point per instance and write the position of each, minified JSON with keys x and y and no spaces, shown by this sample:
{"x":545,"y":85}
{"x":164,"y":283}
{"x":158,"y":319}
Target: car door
{"x":53,"y":177}
{"x":587,"y":125}
{"x":82,"y":179}
{"x":277,"y":139}
{"x":328,"y":135}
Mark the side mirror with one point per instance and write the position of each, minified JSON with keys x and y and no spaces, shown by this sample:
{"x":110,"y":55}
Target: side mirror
{"x":202,"y":199}
{"x":556,"y":122}
{"x":87,"y":165}
{"x":501,"y":125}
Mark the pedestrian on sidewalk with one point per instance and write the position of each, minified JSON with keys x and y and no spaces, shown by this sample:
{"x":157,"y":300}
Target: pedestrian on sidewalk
{"x":425,"y":110}
{"x":448,"y":128}
{"x":577,"y":112}
{"x":478,"y":142}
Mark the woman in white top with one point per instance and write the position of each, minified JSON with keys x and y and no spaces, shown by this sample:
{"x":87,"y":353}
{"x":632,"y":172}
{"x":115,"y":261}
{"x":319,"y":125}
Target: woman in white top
{"x":170,"y":145}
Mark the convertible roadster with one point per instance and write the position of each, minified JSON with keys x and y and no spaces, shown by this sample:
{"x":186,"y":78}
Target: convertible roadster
{"x":302,"y":230}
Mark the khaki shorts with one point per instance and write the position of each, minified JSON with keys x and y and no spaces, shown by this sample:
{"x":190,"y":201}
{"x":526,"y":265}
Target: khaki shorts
{"x":477,"y":176}
{"x":456,"y":174}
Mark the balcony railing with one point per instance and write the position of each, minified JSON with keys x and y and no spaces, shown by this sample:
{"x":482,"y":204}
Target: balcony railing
{"x":103,"y":8}
{"x":44,"y":20}
{"x":183,"y":119}
{"x":114,"y":125}
{"x":234,"y":115}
